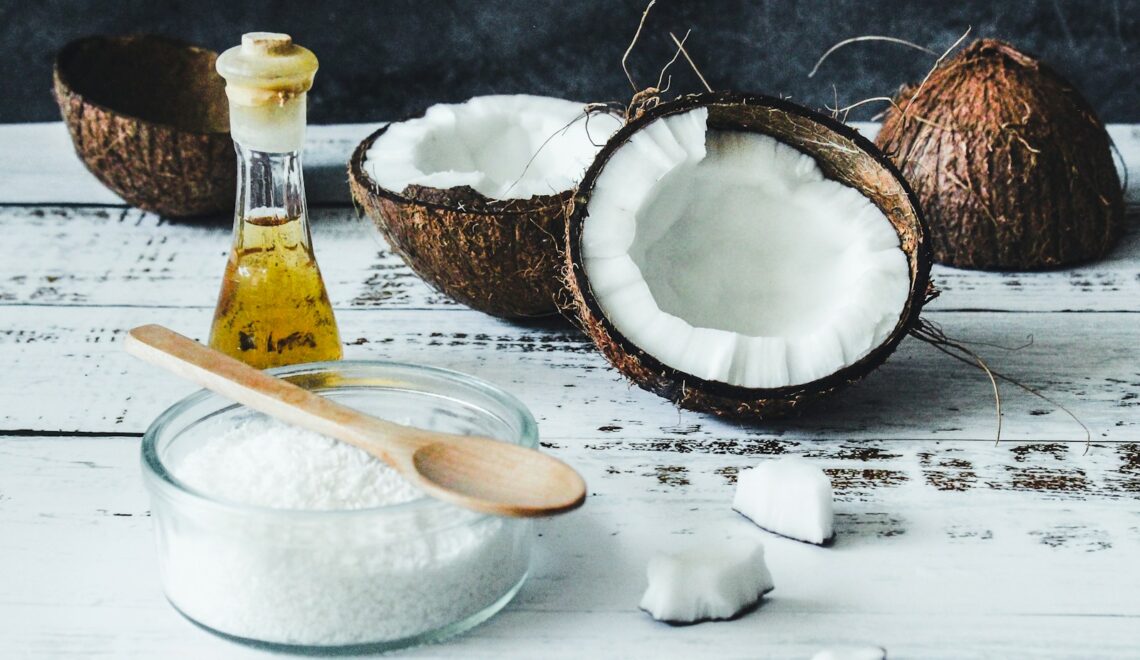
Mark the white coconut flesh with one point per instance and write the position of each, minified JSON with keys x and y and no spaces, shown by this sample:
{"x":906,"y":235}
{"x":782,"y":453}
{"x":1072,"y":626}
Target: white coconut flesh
{"x":731,"y":257}
{"x":505,"y":147}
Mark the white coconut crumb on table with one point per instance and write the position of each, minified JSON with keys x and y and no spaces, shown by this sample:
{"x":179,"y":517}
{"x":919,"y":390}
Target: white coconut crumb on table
{"x":851,"y":653}
{"x":714,"y":580}
{"x":504,"y":147}
{"x":788,"y":496}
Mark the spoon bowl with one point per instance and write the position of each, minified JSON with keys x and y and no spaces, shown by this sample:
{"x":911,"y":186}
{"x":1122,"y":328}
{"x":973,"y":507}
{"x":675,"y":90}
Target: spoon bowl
{"x":449,"y":469}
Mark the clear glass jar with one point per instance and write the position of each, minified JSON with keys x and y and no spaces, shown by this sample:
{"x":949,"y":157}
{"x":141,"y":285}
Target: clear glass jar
{"x":358,"y":580}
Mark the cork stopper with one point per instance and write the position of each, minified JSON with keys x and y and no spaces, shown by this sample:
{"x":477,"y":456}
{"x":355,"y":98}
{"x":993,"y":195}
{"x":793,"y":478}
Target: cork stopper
{"x":266,"y":43}
{"x":267,"y":77}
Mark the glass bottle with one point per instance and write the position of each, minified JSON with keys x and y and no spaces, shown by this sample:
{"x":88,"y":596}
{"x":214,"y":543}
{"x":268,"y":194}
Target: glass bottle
{"x":273,"y":308}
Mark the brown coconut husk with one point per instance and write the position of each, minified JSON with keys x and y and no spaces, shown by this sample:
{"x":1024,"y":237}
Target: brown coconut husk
{"x":149,"y":117}
{"x":502,"y":257}
{"x":844,"y":156}
{"x":1011,"y":164}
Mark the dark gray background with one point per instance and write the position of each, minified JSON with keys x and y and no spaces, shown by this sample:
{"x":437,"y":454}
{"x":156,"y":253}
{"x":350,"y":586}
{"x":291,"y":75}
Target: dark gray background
{"x":386,"y":60}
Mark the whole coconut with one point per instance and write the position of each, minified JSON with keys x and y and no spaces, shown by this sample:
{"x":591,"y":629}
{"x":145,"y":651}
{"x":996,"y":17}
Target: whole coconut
{"x":1011,"y":165}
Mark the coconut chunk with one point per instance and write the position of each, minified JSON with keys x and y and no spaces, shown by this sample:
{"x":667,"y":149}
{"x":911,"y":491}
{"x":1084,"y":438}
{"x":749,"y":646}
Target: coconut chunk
{"x":761,"y":271}
{"x":504,"y":147}
{"x":714,"y":581}
{"x":787,"y":496}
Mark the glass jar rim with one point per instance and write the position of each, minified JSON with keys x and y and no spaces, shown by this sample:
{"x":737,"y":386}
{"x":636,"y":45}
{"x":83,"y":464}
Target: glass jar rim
{"x":163,"y":480}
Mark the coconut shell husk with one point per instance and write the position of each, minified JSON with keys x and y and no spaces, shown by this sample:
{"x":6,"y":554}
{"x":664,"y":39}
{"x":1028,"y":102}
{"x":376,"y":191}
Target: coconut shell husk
{"x":1011,"y":164}
{"x":501,"y":257}
{"x":844,"y":156}
{"x":149,"y":118}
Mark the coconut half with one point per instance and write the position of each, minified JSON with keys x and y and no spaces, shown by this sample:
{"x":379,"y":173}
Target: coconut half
{"x":743,"y":255}
{"x":472,"y":195}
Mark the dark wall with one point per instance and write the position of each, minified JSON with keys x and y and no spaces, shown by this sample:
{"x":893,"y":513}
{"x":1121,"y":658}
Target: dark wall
{"x":384,"y":60}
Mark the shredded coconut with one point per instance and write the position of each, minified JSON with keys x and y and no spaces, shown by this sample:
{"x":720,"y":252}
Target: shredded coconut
{"x":299,"y":577}
{"x":274,"y":465}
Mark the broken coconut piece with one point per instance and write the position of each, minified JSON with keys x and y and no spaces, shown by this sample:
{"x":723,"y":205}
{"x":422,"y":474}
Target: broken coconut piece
{"x":472,"y":195}
{"x":787,"y":496}
{"x":851,"y":653}
{"x":743,"y":255}
{"x":711,"y":582}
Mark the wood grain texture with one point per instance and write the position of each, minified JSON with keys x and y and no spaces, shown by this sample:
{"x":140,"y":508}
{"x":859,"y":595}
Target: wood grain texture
{"x":949,"y":546}
{"x":99,"y":256}
{"x":1087,"y":362}
{"x":925,"y":572}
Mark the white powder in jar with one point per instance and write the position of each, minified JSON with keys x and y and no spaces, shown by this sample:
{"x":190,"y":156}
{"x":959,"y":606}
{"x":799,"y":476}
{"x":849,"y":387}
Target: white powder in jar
{"x":329,"y":568}
{"x":267,"y":463}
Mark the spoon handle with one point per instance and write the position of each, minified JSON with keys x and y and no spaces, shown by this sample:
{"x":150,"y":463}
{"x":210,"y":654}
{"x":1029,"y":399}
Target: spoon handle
{"x":273,"y":396}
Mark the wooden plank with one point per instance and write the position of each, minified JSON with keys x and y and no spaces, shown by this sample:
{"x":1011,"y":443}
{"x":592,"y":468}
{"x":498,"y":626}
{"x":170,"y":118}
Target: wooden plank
{"x":114,"y":256}
{"x":108,"y":256}
{"x":41,"y":167}
{"x":65,"y":371}
{"x":89,"y":633}
{"x":921,"y":570}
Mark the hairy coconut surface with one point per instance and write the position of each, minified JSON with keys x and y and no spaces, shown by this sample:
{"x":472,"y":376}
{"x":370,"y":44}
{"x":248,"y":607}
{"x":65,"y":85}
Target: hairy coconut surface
{"x":743,"y":255}
{"x":1012,"y":166}
{"x":472,"y":195}
{"x":149,"y":117}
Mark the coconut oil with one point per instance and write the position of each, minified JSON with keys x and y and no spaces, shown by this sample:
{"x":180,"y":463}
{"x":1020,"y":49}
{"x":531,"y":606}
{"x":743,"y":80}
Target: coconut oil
{"x":273,"y":308}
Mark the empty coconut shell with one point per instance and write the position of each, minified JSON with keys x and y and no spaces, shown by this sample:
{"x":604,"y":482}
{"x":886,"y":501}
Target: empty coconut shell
{"x":1010,"y":163}
{"x":149,"y":117}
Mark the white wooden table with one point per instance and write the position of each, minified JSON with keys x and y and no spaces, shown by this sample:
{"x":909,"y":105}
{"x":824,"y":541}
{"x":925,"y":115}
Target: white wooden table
{"x":949,"y":546}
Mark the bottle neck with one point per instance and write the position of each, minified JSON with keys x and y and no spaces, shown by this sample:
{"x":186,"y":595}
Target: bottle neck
{"x":271,"y":189}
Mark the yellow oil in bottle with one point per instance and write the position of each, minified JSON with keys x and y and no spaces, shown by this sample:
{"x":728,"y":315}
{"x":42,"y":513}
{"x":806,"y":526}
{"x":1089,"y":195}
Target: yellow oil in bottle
{"x":273,"y":309}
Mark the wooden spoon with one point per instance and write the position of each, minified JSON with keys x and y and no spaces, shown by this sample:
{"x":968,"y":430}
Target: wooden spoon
{"x":474,"y":472}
